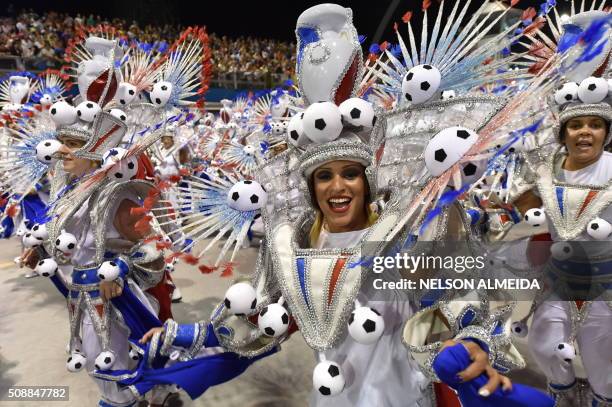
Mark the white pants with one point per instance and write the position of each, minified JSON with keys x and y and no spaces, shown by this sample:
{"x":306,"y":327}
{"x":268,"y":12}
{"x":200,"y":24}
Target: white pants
{"x":551,"y":325}
{"x":119,"y":345}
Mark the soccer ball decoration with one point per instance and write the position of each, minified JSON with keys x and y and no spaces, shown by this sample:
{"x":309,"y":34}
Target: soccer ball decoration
{"x":118,"y":114}
{"x":39,"y":231}
{"x":566,"y":93}
{"x":519,"y":329}
{"x":447,"y":147}
{"x":76,"y":361}
{"x":366,"y":325}
{"x":105,"y":360}
{"x":121,"y":168}
{"x":328,"y":379}
{"x":126,"y":93}
{"x":46,"y":100}
{"x":561,"y":251}
{"x":240,"y":299}
{"x":249,"y":149}
{"x":45,"y":150}
{"x":62,"y":113}
{"x":421,"y":83}
{"x":295,"y":131}
{"x":322,"y":122}
{"x":161,"y":92}
{"x":133,"y":353}
{"x":358,"y":113}
{"x":449,"y":94}
{"x":599,"y":229}
{"x":66,"y":243}
{"x":29,"y":240}
{"x":277,"y":128}
{"x":535,"y":217}
{"x":565,"y":352}
{"x":246,"y":195}
{"x":108,"y":271}
{"x":87,"y":111}
{"x":46,"y":267}
{"x":273,"y":320}
{"x":593,"y":90}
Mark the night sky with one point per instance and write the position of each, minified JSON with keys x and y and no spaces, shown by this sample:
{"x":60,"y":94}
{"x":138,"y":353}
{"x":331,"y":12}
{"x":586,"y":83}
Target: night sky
{"x":274,"y":19}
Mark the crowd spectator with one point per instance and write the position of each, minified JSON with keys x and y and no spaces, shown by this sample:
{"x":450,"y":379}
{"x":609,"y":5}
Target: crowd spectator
{"x":41,"y":41}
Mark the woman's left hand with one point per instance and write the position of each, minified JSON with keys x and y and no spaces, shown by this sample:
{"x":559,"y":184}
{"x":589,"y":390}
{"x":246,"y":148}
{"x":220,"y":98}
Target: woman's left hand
{"x":480,"y":364}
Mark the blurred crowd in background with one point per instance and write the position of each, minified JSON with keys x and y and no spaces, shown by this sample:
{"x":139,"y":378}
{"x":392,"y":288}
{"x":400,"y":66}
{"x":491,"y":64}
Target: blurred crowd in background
{"x":41,"y":40}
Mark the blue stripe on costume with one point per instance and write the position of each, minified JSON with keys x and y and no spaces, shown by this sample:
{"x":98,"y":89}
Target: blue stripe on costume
{"x":301,"y":269}
{"x":559,"y":192}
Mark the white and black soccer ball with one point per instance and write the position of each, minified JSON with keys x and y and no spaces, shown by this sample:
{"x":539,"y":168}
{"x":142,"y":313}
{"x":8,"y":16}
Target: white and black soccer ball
{"x":66,"y":243}
{"x":593,"y":90}
{"x":240,"y":299}
{"x":134,"y":354}
{"x":39,"y":230}
{"x":277,"y":128}
{"x":295,"y":131}
{"x":247,"y":195}
{"x":519,"y":329}
{"x":561,"y":251}
{"x":76,"y":362}
{"x":45,"y":150}
{"x":121,"y":168}
{"x":118,"y":114}
{"x":358,"y":113}
{"x":104,"y":360}
{"x":46,"y":100}
{"x":447,"y":147}
{"x":108,"y":271}
{"x":88,"y":111}
{"x":421,"y":83}
{"x":322,"y":122}
{"x":599,"y":229}
{"x":568,"y":92}
{"x":366,"y":325}
{"x":62,"y":113}
{"x":29,"y":240}
{"x":126,"y":93}
{"x":449,"y":94}
{"x":565,"y":352}
{"x":46,"y":267}
{"x":273,"y":320}
{"x":535,"y":217}
{"x":249,"y":150}
{"x":471,"y":172}
{"x":161,"y":92}
{"x":328,"y":378}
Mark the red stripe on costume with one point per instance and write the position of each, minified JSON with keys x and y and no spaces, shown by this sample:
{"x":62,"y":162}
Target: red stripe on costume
{"x":334,"y":278}
{"x":100,"y":309}
{"x":103,"y":138}
{"x":587,"y":201}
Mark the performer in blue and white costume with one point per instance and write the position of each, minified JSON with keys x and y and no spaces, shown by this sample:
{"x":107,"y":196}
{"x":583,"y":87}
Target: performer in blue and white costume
{"x":569,"y":190}
{"x":97,"y":260}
